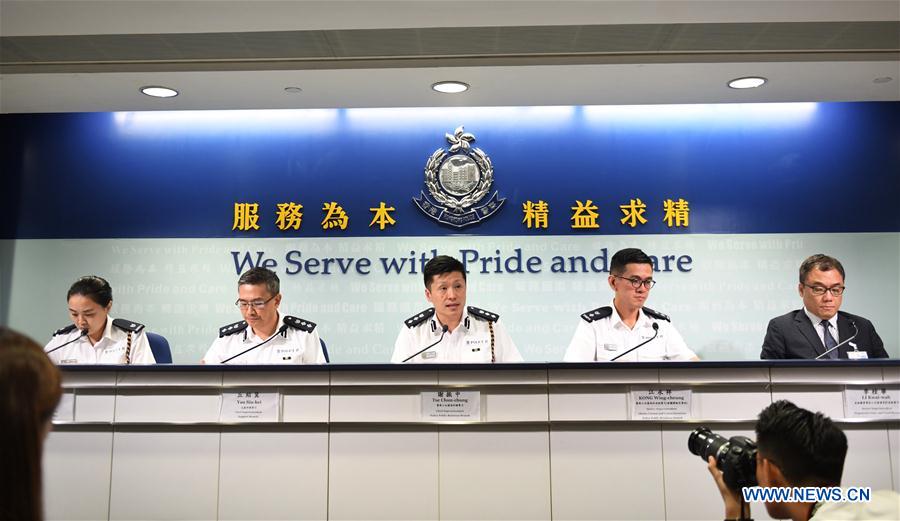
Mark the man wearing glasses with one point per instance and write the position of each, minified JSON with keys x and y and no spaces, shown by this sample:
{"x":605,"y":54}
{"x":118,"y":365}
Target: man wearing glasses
{"x":610,"y":332}
{"x":813,"y":331}
{"x":264,"y":336}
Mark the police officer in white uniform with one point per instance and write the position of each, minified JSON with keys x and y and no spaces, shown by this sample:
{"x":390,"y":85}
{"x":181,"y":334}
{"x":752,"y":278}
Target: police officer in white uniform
{"x":452,"y":332}
{"x":94,"y":337}
{"x":265,"y":336}
{"x":607,"y":332}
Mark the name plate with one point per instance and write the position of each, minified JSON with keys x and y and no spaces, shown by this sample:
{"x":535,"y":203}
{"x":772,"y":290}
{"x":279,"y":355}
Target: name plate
{"x":872,"y":401}
{"x":660,"y":404}
{"x":65,"y":411}
{"x":249,"y":406}
{"x":451,"y":405}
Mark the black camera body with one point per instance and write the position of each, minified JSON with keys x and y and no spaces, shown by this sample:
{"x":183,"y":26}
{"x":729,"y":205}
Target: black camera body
{"x":735,"y":457}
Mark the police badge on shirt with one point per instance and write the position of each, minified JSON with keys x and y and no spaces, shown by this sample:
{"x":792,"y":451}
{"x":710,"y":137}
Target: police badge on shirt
{"x":477,"y":348}
{"x":287,"y":353}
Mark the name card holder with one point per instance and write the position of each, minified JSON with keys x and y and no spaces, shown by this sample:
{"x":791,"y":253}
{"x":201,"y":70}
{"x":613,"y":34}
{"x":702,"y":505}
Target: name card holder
{"x":451,"y":405}
{"x":659,"y":403}
{"x":250,"y":406}
{"x":874,"y":402}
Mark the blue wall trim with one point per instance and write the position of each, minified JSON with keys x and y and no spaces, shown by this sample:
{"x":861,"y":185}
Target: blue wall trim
{"x":760,"y":168}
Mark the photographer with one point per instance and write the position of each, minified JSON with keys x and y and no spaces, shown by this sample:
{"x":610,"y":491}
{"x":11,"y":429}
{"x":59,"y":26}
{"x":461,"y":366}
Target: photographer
{"x":798,"y":448}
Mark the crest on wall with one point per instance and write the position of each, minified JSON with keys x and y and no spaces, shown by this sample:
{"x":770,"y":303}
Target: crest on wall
{"x":458,"y":180}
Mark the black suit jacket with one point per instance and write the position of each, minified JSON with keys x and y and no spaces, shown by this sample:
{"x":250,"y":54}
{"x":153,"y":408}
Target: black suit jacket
{"x":793,"y":336}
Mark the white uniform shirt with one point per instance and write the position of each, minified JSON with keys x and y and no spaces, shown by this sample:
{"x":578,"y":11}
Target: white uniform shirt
{"x":110,"y":349}
{"x":470,"y":342}
{"x":607,"y":338}
{"x":294,"y":346}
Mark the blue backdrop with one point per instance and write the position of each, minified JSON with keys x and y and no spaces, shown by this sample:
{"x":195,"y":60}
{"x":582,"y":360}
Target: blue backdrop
{"x":758,"y":168}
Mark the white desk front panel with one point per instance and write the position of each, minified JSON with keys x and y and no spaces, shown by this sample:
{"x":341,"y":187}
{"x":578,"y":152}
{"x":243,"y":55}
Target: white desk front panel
{"x":383,"y":474}
{"x":164,"y":475}
{"x":77,"y":474}
{"x":351,"y":444}
{"x":607,"y":473}
{"x":273,"y":475}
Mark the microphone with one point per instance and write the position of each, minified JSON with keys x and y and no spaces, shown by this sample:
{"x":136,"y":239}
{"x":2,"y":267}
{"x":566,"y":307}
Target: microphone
{"x":419,"y":352}
{"x":281,"y":330}
{"x":83,"y":334}
{"x":856,"y":332}
{"x":655,"y":332}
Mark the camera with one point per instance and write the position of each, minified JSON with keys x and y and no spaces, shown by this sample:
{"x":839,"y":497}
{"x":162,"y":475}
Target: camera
{"x":735,"y":457}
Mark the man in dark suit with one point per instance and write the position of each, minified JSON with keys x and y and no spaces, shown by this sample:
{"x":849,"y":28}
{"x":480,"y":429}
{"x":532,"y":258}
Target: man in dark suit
{"x":812,"y":331}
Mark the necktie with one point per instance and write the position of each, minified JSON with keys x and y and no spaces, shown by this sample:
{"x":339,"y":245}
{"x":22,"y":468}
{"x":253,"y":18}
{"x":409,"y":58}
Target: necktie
{"x":829,"y":340}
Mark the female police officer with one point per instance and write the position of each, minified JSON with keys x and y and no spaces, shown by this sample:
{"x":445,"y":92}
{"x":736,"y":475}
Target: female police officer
{"x":94,"y":337}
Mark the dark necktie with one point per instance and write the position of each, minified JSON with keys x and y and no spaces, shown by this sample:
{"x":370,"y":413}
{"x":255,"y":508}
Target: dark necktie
{"x":829,"y":340}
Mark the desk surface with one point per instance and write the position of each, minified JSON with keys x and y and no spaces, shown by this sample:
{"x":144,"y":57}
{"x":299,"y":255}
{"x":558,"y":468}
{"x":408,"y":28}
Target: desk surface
{"x":713,"y":364}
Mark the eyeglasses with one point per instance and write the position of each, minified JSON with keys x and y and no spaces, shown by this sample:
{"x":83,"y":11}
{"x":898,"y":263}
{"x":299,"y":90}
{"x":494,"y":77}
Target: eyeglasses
{"x":636,"y":283}
{"x":257,"y":304}
{"x":818,"y":291}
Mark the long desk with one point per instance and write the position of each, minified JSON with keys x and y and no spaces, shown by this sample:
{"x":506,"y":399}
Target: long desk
{"x":554,"y":441}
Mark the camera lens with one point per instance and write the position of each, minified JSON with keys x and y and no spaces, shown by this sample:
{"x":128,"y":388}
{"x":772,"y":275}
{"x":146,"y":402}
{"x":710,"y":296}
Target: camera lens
{"x":705,"y":443}
{"x":735,"y":457}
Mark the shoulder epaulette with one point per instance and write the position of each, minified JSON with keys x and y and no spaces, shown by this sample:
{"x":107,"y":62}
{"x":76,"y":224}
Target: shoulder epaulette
{"x":299,"y":323}
{"x":482,"y":314}
{"x":656,"y":314}
{"x":419,"y":317}
{"x":231,"y":329}
{"x":128,"y":325}
{"x":64,"y":330}
{"x":597,"y":314}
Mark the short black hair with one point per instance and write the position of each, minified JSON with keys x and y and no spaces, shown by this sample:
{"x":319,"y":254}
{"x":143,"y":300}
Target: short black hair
{"x":259,"y":275}
{"x":628,"y":256}
{"x":821,"y":262}
{"x":808,"y":447}
{"x":93,"y":287}
{"x":440,"y":265}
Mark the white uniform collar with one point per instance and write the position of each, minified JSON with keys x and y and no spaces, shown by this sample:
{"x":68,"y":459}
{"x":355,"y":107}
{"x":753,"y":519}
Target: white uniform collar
{"x":464,"y":322}
{"x":816,"y":321}
{"x":107,"y":331}
{"x":249,"y":331}
{"x":617,"y":319}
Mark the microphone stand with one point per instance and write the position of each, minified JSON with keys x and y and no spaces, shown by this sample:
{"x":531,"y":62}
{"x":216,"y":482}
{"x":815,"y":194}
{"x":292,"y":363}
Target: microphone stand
{"x":419,"y":352}
{"x":83,"y":334}
{"x":281,"y":330}
{"x":856,"y":332}
{"x":655,"y":333}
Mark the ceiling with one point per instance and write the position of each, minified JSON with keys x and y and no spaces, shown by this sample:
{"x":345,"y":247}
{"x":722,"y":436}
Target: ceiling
{"x":79,"y":56}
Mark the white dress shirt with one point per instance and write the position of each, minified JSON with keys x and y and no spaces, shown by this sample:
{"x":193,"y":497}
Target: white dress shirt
{"x":820,"y":329}
{"x":110,"y":349}
{"x":470,"y":342}
{"x":294,"y":346}
{"x":605,"y":338}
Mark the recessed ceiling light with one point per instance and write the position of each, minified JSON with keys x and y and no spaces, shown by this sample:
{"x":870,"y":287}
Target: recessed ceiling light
{"x":883,"y":79}
{"x":749,"y":82}
{"x":159,"y":92}
{"x":450,"y":87}
{"x":293,"y":90}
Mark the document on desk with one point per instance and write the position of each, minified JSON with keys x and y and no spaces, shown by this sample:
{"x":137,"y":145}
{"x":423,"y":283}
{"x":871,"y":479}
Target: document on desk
{"x":249,"y":406}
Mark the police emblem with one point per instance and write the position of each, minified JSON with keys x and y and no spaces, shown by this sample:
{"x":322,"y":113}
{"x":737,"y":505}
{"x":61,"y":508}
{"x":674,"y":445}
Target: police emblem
{"x":458,"y":180}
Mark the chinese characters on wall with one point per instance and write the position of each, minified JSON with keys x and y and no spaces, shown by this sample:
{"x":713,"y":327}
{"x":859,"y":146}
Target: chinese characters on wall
{"x":583,"y":215}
